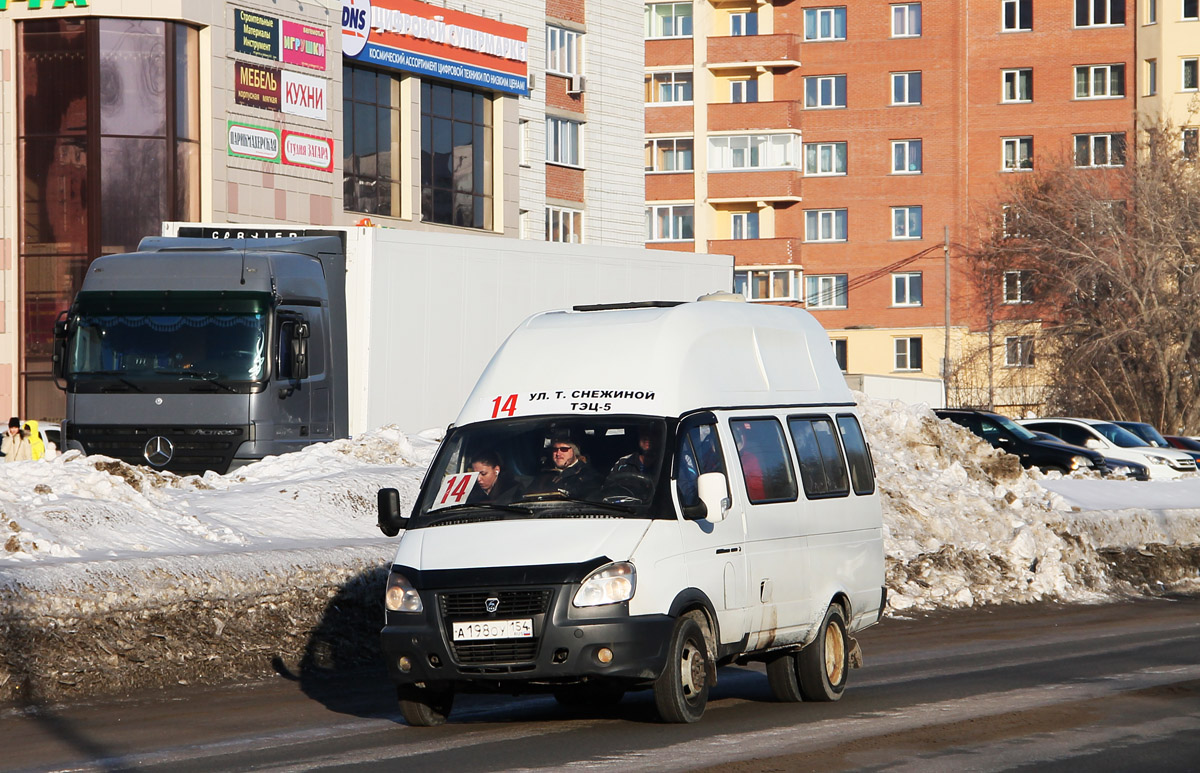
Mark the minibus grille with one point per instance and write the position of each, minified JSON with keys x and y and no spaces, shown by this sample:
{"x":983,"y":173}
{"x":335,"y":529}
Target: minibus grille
{"x":512,"y":604}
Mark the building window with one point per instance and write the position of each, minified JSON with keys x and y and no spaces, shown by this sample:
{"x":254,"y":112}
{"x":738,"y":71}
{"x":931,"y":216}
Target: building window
{"x":669,"y":155}
{"x":825,"y":91}
{"x":1191,"y":10}
{"x":1152,"y":11}
{"x":1018,"y":153}
{"x":825,"y":291}
{"x":767,"y":284}
{"x":906,"y":20}
{"x":824,"y":158}
{"x":1099,"y":13}
{"x":743,"y":225}
{"x":1018,"y":287}
{"x":1018,"y":351}
{"x":825,"y":23}
{"x":1018,"y":85}
{"x":1099,"y":80}
{"x":371,"y":171}
{"x":666,"y":87}
{"x":906,"y":156}
{"x":668,"y":20}
{"x":1010,"y":223}
{"x":671,"y":223}
{"x":563,"y":141}
{"x":1018,"y":16}
{"x":1191,"y":74}
{"x":908,"y":353}
{"x":456,"y":156}
{"x":743,"y":91}
{"x":564,"y":225}
{"x":906,"y":289}
{"x":1151,"y":77}
{"x":1191,"y":142}
{"x":906,"y":88}
{"x":840,"y":353}
{"x":1100,"y":149}
{"x":564,"y":51}
{"x":906,"y":222}
{"x":825,"y":225}
{"x":743,"y":23}
{"x":756,"y":151}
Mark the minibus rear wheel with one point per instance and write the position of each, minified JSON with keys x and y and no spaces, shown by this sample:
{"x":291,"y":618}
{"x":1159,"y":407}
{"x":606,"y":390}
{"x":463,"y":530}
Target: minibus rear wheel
{"x":423,"y":706}
{"x":681,"y":691}
{"x":824,"y":664}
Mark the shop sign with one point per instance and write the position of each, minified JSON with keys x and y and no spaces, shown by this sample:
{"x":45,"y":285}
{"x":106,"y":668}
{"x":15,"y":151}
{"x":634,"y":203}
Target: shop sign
{"x":438,"y":42}
{"x":303,"y":95}
{"x":257,"y":86}
{"x":256,"y":34}
{"x":258,"y":142}
{"x":304,"y":45}
{"x":36,"y":5}
{"x":307,"y":150}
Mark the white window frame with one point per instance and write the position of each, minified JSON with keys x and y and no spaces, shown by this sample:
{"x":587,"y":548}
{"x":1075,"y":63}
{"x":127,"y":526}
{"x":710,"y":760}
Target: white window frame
{"x":678,"y":83}
{"x":650,"y":18}
{"x":824,"y":17}
{"x":1189,"y":140}
{"x":908,"y":287}
{"x":841,"y":353}
{"x":564,"y":141}
{"x":1089,"y":7}
{"x":831,"y":291}
{"x":680,"y":218}
{"x":903,"y":226}
{"x":1105,"y":73}
{"x":1011,"y":82}
{"x":1022,"y":22}
{"x":1192,"y":63}
{"x":564,"y":222}
{"x":1151,"y":77}
{"x":903,"y":152}
{"x":1183,"y":11}
{"x":828,"y":223}
{"x":657,"y":144}
{"x":906,"y":16}
{"x":1018,"y":351}
{"x":745,"y":222}
{"x":1092,"y":140}
{"x":823,"y":84}
{"x":1152,"y":11}
{"x":1016,"y":289}
{"x":742,"y":29}
{"x":826,"y":156}
{"x":903,"y":350}
{"x":902,"y":87}
{"x":745,"y":152}
{"x":739,"y":90}
{"x":747,"y":281}
{"x":1012,"y":159}
{"x":564,"y":51}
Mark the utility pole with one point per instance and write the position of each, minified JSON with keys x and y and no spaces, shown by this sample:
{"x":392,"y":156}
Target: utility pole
{"x":946,"y":267}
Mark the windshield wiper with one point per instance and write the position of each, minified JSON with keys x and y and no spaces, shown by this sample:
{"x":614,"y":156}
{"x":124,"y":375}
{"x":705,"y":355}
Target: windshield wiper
{"x":206,"y":375}
{"x":117,"y":374}
{"x":561,"y":496}
{"x":455,"y":512}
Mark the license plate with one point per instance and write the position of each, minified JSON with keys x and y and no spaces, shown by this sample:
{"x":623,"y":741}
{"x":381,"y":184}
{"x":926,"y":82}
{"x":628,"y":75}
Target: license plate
{"x":493,"y":629}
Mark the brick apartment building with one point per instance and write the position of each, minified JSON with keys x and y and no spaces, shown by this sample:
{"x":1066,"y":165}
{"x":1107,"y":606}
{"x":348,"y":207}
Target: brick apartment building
{"x":846,"y":155}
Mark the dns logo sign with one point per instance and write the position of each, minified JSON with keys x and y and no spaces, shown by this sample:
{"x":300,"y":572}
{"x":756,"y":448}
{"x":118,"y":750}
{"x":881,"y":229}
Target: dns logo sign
{"x":356,"y":26}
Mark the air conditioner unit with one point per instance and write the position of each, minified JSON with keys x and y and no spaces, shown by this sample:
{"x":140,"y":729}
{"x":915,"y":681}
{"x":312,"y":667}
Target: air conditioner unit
{"x":577,"y":84}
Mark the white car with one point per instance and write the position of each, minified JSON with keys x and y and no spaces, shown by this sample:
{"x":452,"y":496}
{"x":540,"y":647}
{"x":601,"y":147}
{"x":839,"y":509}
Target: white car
{"x":1117,"y":443}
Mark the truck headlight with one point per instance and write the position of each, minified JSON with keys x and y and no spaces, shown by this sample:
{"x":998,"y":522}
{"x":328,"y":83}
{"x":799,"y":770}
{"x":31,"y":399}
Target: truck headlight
{"x":400,"y":595}
{"x":610,"y":584}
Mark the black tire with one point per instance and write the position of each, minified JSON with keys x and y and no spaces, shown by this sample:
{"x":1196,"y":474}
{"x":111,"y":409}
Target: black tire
{"x":824,"y":664}
{"x":783,"y":675}
{"x":589,"y":696}
{"x":424,"y":707}
{"x":681,"y":691}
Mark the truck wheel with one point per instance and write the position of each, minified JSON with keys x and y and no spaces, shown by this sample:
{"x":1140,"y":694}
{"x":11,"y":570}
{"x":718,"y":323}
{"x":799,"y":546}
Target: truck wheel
{"x":823,"y":665}
{"x":424,"y":707}
{"x":784,"y":677}
{"x":681,"y":691}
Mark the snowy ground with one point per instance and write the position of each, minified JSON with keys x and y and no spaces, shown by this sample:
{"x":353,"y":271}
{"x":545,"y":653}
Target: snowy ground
{"x":257,"y":559}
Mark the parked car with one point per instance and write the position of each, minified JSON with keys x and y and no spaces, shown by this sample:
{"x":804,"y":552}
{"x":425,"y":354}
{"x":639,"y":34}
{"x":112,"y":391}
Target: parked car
{"x":1116,"y":468}
{"x":1003,"y":433}
{"x":1116,"y":443}
{"x":1184,"y":443}
{"x":1152,"y":436}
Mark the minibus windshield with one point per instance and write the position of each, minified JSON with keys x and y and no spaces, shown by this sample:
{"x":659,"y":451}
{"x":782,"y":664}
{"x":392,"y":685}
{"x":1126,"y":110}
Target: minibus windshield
{"x":545,"y":465}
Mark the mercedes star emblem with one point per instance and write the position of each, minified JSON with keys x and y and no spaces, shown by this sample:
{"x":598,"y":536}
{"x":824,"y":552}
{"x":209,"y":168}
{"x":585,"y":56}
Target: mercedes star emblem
{"x":492,"y":604}
{"x":159,"y":451}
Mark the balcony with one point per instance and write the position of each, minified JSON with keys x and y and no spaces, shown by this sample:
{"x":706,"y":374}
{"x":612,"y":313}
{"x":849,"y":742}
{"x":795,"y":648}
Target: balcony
{"x":670,"y":186}
{"x":754,"y":51}
{"x":770,"y":185}
{"x":665,"y":118}
{"x":745,"y":116}
{"x":671,"y":52}
{"x":759,"y":252}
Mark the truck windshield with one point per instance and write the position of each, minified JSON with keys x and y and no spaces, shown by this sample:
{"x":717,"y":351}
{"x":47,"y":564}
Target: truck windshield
{"x":190,"y":339}
{"x":547,"y":466}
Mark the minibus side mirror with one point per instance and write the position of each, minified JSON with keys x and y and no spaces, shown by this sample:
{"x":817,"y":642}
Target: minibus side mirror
{"x":391,"y":521}
{"x":714,"y":493}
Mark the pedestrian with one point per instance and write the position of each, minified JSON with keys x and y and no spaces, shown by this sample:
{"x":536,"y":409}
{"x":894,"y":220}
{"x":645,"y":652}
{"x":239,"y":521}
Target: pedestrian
{"x":15,"y":446}
{"x":37,"y":449}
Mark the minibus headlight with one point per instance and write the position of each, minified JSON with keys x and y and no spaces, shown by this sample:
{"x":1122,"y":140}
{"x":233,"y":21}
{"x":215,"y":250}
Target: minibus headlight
{"x":400,"y":595}
{"x":610,"y":584}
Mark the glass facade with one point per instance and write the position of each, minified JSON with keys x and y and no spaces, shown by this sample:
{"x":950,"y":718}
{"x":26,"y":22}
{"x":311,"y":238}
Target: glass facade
{"x":456,"y":156}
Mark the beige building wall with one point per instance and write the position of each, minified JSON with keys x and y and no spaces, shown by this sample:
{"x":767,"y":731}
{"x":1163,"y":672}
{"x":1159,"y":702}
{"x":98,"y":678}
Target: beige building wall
{"x":1164,"y":41}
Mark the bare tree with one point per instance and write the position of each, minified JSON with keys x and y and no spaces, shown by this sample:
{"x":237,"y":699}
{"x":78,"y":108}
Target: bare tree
{"x":1112,"y":258}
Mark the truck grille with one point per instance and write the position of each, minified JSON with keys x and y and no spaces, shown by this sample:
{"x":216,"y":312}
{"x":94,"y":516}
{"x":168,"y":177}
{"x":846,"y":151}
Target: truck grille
{"x":470,"y":605}
{"x":196,"y":449}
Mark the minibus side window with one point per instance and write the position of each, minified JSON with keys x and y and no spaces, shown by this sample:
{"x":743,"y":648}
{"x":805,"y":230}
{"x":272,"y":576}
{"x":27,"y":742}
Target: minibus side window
{"x":766,"y":463}
{"x":821,"y":467}
{"x":699,"y":452}
{"x":862,"y":472}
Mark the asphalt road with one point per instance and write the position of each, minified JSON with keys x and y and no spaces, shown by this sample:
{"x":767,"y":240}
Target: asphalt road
{"x":1095,"y":688}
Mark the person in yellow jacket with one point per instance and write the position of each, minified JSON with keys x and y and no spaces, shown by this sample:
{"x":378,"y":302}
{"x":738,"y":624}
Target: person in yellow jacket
{"x":15,"y":447}
{"x":37,"y":449}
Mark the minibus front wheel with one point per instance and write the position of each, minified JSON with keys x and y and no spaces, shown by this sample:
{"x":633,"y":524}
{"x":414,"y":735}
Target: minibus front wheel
{"x":424,"y":706}
{"x":681,"y":691}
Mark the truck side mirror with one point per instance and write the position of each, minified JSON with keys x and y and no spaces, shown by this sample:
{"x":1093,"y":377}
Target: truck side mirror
{"x":714,"y":494}
{"x":391,"y":521}
{"x":60,"y":346}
